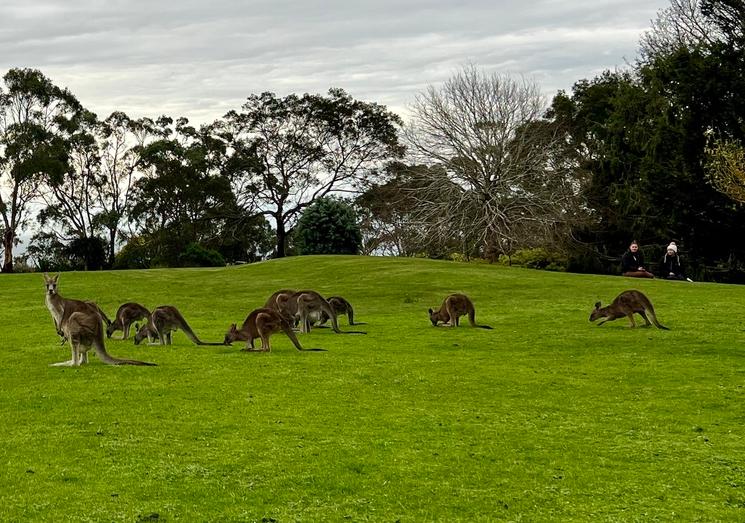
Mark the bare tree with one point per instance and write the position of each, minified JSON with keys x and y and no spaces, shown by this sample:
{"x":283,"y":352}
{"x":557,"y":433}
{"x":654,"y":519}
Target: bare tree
{"x":503,"y":185}
{"x":680,"y":25}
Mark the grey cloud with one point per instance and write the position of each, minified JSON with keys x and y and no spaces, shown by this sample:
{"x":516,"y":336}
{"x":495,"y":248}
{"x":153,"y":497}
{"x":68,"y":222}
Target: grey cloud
{"x":200,"y":59}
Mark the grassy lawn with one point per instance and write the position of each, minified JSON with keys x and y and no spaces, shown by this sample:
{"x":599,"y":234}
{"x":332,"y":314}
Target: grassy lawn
{"x":545,"y":418}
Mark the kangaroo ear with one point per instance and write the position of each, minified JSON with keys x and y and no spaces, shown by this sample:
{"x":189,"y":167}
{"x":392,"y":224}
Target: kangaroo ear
{"x":56,"y":278}
{"x":597,"y":304}
{"x":430,"y":311}
{"x":233,"y":327}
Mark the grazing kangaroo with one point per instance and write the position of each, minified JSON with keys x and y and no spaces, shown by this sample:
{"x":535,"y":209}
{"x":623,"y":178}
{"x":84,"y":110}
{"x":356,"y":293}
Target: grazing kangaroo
{"x":626,"y":304}
{"x":262,"y":323}
{"x":57,"y":305}
{"x":309,"y":307}
{"x":455,"y":306}
{"x":340,"y":306}
{"x":161,"y":322}
{"x":127,"y":314}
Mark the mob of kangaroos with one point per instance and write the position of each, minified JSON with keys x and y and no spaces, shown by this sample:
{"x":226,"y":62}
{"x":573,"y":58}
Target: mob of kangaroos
{"x":305,"y":307}
{"x":626,"y":304}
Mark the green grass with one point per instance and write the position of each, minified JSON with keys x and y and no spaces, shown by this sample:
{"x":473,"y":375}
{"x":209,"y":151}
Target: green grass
{"x":545,"y":418}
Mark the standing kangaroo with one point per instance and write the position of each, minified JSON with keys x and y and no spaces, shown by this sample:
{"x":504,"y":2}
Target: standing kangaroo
{"x":127,"y":314}
{"x":262,"y":323}
{"x":161,"y":322}
{"x":455,"y":306}
{"x":626,"y":304}
{"x":80,"y":323}
{"x":309,"y":305}
{"x":340,"y":306}
{"x":57,"y":305}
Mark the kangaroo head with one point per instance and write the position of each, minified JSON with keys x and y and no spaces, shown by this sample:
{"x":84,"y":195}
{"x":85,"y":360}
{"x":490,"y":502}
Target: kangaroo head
{"x":111,"y":328}
{"x":597,"y":312}
{"x":50,"y":282}
{"x":432,"y":317}
{"x":231,"y":335}
{"x":140,"y":333}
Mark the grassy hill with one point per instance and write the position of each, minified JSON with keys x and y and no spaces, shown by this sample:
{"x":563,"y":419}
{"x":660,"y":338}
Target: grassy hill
{"x":546,"y":417}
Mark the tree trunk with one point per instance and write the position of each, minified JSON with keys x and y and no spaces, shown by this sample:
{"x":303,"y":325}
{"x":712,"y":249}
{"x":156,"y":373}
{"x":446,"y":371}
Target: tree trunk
{"x":281,"y":239}
{"x":8,"y":238}
{"x":112,"y":246}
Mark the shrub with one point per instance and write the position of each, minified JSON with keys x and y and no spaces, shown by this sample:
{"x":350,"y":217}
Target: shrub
{"x":197,"y":256}
{"x":328,"y":226}
{"x":537,"y":258}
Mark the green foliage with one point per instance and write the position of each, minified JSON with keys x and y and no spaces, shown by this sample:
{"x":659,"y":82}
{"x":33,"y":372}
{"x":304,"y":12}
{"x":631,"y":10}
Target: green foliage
{"x":290,"y":151}
{"x":197,"y":256}
{"x":545,"y":418}
{"x":538,"y":258}
{"x":136,"y":254}
{"x":328,"y":226}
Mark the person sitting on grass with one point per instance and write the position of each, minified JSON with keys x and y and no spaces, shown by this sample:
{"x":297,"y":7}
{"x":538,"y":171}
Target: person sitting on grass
{"x":632,"y":263}
{"x":670,"y":267}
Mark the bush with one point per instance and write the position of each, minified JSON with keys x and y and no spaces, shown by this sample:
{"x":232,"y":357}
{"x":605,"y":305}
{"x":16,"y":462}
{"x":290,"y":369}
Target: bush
{"x":197,"y":256}
{"x":328,"y":226}
{"x":538,"y":258}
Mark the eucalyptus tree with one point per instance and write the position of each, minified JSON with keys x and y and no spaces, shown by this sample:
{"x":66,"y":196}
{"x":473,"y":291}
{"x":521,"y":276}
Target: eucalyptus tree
{"x":288,"y":152}
{"x":37,"y":119}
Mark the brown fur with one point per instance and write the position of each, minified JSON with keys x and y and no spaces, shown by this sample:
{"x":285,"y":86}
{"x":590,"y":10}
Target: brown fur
{"x":80,"y":323}
{"x":340,"y":306}
{"x":162,"y":322}
{"x":126,"y":315}
{"x":262,"y":323}
{"x":56,"y":304}
{"x":626,"y":304}
{"x":453,"y":307}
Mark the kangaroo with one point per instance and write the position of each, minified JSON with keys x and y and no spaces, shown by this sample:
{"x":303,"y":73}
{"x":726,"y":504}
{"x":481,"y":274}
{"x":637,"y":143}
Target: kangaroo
{"x":83,"y":330}
{"x":340,"y":306}
{"x":279,"y":302}
{"x":626,"y":304}
{"x":161,"y":322}
{"x":309,"y":305}
{"x":57,"y":305}
{"x":455,"y":306}
{"x":127,"y":314}
{"x":262,"y":323}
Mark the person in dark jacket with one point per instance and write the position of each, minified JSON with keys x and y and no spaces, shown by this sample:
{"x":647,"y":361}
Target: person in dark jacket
{"x":670,"y":267}
{"x":632,"y":263}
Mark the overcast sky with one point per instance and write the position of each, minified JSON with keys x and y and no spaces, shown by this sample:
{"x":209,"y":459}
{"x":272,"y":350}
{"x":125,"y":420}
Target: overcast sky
{"x":200,"y":59}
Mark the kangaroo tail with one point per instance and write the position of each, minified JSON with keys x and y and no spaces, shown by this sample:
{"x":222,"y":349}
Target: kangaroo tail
{"x":484,"y":327}
{"x":653,"y":316}
{"x":193,"y":337}
{"x":106,"y":358}
{"x":287,"y":329}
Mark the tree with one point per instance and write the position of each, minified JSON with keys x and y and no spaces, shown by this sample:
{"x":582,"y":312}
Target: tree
{"x":184,"y":198}
{"x":288,"y":152}
{"x":328,"y":226}
{"x":499,"y":186}
{"x":36,"y":120}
